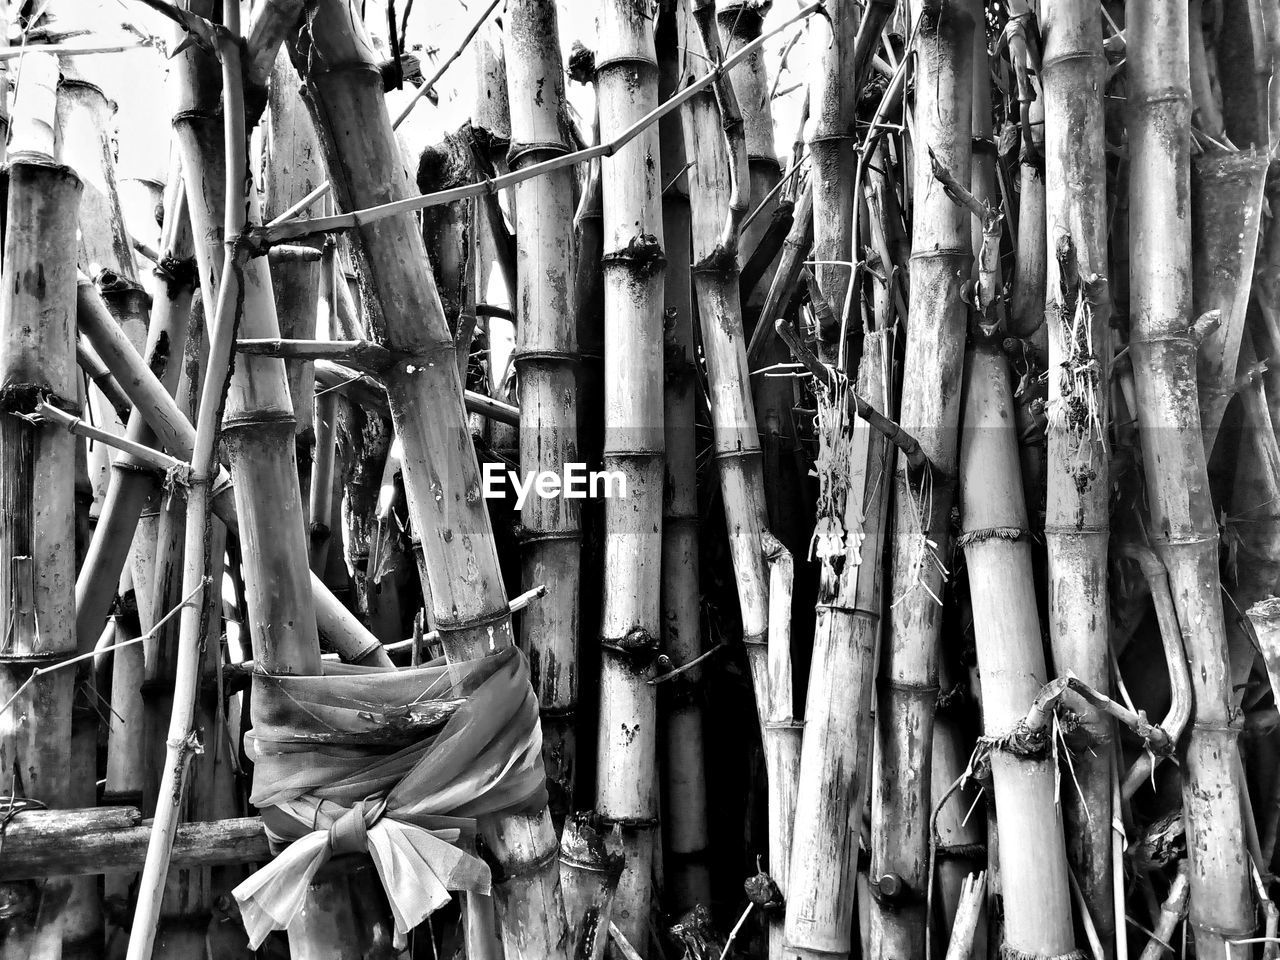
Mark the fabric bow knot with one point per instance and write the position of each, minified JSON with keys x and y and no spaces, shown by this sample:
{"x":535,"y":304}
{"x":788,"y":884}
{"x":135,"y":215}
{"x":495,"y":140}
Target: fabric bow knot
{"x":324,"y":793}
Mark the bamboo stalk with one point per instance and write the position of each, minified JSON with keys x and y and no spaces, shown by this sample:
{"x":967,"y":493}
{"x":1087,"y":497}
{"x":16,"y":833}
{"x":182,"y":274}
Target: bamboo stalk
{"x":919,"y":549}
{"x":831,"y":139}
{"x":1177,"y":484}
{"x":545,"y":358}
{"x":1077,"y":318}
{"x":440,"y":469}
{"x":785,"y":480}
{"x":37,"y":361}
{"x":835,"y":763}
{"x":1033,"y":862}
{"x":684,"y":802}
{"x":715,"y":144}
{"x":626,"y":80}
{"x":292,"y":169}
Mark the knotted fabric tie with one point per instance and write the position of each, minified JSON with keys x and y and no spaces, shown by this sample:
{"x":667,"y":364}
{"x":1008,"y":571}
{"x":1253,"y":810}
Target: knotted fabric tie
{"x":333,"y":775}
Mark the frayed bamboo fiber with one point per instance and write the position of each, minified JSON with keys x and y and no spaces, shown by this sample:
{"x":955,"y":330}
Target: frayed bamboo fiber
{"x":1183,"y":522}
{"x":440,"y":469}
{"x":37,"y":536}
{"x":919,"y":542}
{"x":545,"y":358}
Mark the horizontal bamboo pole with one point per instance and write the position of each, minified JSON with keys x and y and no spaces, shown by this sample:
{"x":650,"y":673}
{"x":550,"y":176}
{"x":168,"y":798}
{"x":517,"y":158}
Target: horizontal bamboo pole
{"x":96,"y":840}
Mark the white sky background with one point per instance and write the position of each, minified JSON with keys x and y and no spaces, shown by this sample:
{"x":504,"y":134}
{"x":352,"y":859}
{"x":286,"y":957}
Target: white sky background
{"x":136,"y":79}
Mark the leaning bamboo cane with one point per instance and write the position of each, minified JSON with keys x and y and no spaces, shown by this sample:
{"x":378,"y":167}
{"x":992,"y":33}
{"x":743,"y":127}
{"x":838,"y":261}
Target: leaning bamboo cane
{"x":930,"y":411}
{"x":774,"y":397}
{"x":1033,"y":860}
{"x":1077,"y":317}
{"x":716,"y":147}
{"x":440,"y":470}
{"x":1176,"y":479}
{"x":835,"y":762}
{"x":626,"y":79}
{"x":545,"y":358}
{"x":37,"y":361}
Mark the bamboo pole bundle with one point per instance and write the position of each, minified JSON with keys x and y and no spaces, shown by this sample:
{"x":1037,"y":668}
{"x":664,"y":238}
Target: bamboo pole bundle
{"x":292,"y":169}
{"x":831,"y":138}
{"x":634,"y":260}
{"x":919,"y":548}
{"x":545,"y":359}
{"x":257,"y":430}
{"x":684,"y":802}
{"x":1032,"y":853}
{"x":1177,"y":485}
{"x":37,"y":536}
{"x":835,"y":761}
{"x":440,"y":470}
{"x":338,"y":625}
{"x":1077,"y":316}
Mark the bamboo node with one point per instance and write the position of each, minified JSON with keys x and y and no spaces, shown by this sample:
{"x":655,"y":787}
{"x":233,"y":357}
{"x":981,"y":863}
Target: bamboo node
{"x":642,"y":253}
{"x":582,"y":63}
{"x":1023,"y":741}
{"x":973,"y":537}
{"x":1013,"y":953}
{"x":178,"y":273}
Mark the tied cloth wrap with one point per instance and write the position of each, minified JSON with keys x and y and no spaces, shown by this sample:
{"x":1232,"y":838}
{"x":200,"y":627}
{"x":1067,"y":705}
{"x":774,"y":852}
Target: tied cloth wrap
{"x":395,"y":763}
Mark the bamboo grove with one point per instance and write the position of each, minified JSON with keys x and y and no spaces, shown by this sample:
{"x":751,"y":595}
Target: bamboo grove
{"x":769,"y":480}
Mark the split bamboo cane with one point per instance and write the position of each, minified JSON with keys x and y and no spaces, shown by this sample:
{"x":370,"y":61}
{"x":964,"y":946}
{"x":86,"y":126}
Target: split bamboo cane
{"x":1177,"y":484}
